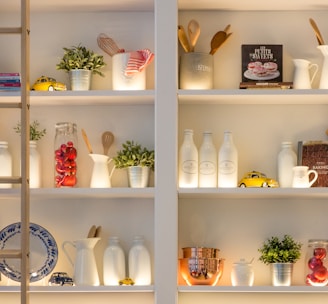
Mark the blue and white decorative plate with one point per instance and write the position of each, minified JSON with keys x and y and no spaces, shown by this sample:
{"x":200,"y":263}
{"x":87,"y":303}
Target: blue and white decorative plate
{"x":43,"y":252}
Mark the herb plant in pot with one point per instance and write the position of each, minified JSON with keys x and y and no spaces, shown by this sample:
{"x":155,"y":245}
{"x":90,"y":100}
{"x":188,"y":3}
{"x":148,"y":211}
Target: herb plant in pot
{"x":81,"y":63}
{"x":280,"y":254}
{"x":36,"y":133}
{"x":138,"y":160}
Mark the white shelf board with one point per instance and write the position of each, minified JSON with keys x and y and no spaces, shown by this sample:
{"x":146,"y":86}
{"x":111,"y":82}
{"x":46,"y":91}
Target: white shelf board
{"x":64,"y":193}
{"x":253,"y":193}
{"x":256,"y":96}
{"x":148,"y":5}
{"x":92,"y":97}
{"x":79,"y":289}
{"x":254,"y":289}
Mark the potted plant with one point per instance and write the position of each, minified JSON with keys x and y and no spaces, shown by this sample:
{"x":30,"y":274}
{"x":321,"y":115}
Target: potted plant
{"x":36,"y":133}
{"x":280,"y":254}
{"x":81,"y":63}
{"x":138,"y":160}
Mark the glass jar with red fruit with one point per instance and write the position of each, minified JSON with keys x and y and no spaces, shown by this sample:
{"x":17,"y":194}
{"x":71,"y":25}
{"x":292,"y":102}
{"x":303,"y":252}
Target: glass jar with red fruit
{"x":65,"y":154}
{"x":316,"y":263}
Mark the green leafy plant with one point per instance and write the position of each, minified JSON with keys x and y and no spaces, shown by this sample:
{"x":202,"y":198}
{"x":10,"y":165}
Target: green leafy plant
{"x":275,"y":250}
{"x":133,"y":154}
{"x":79,"y":57}
{"x":35,"y":132}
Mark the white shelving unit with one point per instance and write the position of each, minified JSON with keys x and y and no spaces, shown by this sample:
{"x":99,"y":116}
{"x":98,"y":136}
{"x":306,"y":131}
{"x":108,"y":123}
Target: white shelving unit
{"x":234,"y":220}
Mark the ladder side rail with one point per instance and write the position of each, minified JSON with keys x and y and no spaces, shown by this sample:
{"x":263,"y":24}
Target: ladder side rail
{"x":25,"y":150}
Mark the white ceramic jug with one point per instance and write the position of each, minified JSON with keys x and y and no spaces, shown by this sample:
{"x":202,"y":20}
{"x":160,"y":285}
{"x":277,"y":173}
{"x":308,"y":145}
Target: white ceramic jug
{"x":101,"y":178}
{"x":301,"y":178}
{"x":324,"y":72}
{"x":85,"y":267}
{"x":302,"y":72}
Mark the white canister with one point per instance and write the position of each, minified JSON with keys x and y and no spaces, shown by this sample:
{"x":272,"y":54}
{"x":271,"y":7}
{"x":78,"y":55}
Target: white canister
{"x":242,"y":273}
{"x":121,"y":81}
{"x":196,"y":71}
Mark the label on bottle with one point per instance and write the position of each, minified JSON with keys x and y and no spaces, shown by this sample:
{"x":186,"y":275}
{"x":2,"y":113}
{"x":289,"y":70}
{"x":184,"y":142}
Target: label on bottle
{"x":189,"y":166}
{"x":207,"y":168}
{"x":227,"y":167}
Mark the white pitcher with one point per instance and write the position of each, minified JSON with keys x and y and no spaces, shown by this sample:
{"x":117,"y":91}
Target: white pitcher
{"x":85,"y":267}
{"x":324,"y":72}
{"x":101,"y":178}
{"x":301,"y":178}
{"x":302,"y":78}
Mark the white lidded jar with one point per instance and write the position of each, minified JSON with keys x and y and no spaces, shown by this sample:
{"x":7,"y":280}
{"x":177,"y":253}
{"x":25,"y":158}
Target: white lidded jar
{"x":242,"y":273}
{"x":207,"y":162}
{"x":139,"y":262}
{"x":287,"y":159}
{"x":188,"y":161}
{"x":35,"y":166}
{"x":228,"y":162}
{"x":6,"y":166}
{"x":113,"y":262}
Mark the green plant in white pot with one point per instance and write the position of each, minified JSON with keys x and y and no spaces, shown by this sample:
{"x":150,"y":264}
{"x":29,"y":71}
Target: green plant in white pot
{"x":280,"y":254}
{"x":81,"y":63}
{"x":138,"y":160}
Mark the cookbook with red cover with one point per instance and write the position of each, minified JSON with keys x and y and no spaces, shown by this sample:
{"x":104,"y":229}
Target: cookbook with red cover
{"x":262,"y":62}
{"x":314,"y":154}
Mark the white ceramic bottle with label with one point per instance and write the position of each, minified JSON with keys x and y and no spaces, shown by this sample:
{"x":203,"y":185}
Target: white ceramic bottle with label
{"x":287,"y":160}
{"x":114,"y":262}
{"x":188,"y":161}
{"x":5,"y":163}
{"x":139,"y":262}
{"x":228,"y":163}
{"x":207,"y":162}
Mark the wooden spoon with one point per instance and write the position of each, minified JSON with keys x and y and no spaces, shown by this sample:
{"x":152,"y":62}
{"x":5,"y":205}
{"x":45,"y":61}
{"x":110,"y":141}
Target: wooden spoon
{"x":107,"y":139}
{"x":87,"y":142}
{"x":92,"y":231}
{"x":183,"y":38}
{"x":317,"y":32}
{"x":217,"y":41}
{"x":193,"y":33}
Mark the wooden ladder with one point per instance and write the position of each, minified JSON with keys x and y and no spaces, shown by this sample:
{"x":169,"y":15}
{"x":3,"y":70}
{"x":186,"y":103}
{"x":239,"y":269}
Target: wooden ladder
{"x":23,"y":180}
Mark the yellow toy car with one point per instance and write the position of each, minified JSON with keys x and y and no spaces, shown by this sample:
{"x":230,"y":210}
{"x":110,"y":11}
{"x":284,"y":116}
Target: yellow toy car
{"x":45,"y":83}
{"x":257,"y":179}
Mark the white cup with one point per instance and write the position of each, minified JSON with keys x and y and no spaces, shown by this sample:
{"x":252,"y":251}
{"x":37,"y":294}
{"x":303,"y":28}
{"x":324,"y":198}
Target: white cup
{"x":301,"y":177}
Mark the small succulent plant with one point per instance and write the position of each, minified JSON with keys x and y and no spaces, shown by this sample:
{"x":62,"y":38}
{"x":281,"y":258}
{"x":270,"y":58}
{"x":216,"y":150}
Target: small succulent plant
{"x":275,"y":250}
{"x":133,"y":154}
{"x":79,"y":57}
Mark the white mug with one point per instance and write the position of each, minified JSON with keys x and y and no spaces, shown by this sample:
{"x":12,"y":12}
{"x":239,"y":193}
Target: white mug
{"x":301,"y":177}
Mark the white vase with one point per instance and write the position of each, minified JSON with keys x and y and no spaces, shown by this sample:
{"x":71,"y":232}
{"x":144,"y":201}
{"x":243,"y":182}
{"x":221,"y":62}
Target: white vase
{"x":35,"y":166}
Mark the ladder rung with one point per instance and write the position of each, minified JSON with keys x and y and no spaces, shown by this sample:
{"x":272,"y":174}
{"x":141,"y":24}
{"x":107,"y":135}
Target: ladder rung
{"x":5,"y":105}
{"x":10,"y":254}
{"x":10,"y":30}
{"x":10,"y":179}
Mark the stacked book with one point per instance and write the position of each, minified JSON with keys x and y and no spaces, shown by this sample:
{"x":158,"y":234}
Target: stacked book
{"x":10,"y":82}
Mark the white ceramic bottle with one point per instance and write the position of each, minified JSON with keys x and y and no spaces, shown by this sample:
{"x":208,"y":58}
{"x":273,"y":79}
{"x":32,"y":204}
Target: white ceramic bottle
{"x":139,"y":262}
{"x":113,"y":262}
{"x":35,"y":166}
{"x":6,"y":168}
{"x":228,"y":162}
{"x":207,"y":162}
{"x":188,"y":161}
{"x":287,"y":159}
